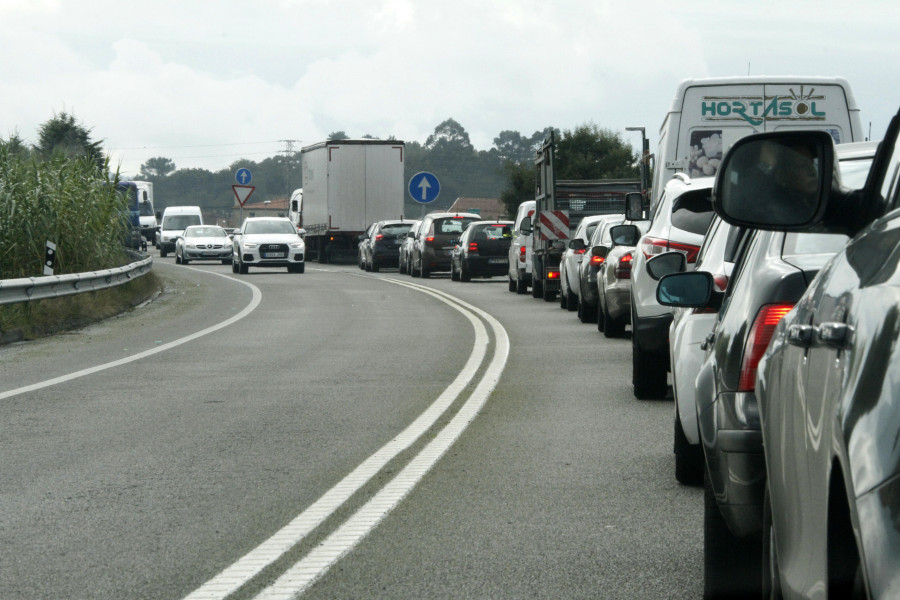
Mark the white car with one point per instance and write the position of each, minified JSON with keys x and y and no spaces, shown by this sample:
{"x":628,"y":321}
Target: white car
{"x":203,"y":242}
{"x":613,"y":283}
{"x":520,"y":265}
{"x":679,"y":223}
{"x":268,"y":242}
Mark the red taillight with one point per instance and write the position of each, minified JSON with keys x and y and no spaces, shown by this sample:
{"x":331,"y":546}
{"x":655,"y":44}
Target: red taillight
{"x":473,"y":246}
{"x":379,"y":237}
{"x":430,"y":238}
{"x":597,"y":260}
{"x":757,"y":342}
{"x":522,"y":254}
{"x":552,"y":274}
{"x":653,"y":246}
{"x":579,"y":251}
{"x":623,"y":266}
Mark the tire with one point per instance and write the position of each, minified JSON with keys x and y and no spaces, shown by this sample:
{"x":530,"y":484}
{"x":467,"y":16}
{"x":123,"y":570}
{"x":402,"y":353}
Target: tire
{"x":612,"y":328}
{"x":521,"y":286}
{"x":732,"y":566}
{"x":185,"y":261}
{"x":401,"y":267}
{"x":242,"y":268}
{"x":162,"y":253}
{"x":412,"y":268}
{"x":177,"y":259}
{"x":424,"y":273}
{"x":301,"y":268}
{"x":571,"y":306}
{"x":454,"y":276}
{"x":537,"y":288}
{"x":549,"y":296}
{"x":563,"y":298}
{"x":689,"y":461}
{"x":375,"y":267}
{"x":464,"y":274}
{"x":512,"y":283}
{"x":234,"y":266}
{"x":648,"y":372}
{"x":586,"y":314}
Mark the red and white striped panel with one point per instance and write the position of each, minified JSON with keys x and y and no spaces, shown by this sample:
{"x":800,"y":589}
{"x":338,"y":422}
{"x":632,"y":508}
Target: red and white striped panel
{"x":554,"y":224}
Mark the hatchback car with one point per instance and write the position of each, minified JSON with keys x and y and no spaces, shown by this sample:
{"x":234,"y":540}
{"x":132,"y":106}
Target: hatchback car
{"x":405,"y":244}
{"x":570,"y":263}
{"x":826,"y":384}
{"x":613,"y":280}
{"x":381,"y":247}
{"x":482,"y":251}
{"x":437,"y":236}
{"x":679,"y":223}
{"x":361,"y":246}
{"x":268,"y":242}
{"x":203,"y":242}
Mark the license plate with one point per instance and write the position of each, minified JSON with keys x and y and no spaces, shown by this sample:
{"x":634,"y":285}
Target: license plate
{"x":498,"y":261}
{"x":273,"y":255}
{"x":210,"y":253}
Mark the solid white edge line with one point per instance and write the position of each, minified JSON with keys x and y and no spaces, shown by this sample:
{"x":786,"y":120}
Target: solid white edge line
{"x":246,"y":568}
{"x":314,"y":565}
{"x":254,"y":302}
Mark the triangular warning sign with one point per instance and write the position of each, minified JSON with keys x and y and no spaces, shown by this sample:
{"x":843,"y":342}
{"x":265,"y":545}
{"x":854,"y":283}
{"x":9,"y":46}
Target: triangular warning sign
{"x":242,"y":193}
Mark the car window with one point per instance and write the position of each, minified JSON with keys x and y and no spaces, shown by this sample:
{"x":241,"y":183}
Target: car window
{"x":813,"y":243}
{"x":693,"y":211}
{"x":589,"y":230}
{"x":889,"y":185}
{"x":396,"y":229}
{"x":452,"y":225}
{"x":493,"y":232}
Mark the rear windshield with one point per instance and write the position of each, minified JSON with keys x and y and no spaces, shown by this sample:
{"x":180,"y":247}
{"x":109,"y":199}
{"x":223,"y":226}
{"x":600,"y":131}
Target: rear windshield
{"x":492,"y":232}
{"x":693,"y":212}
{"x":396,"y":229}
{"x":451,"y":225}
{"x":179,"y":222}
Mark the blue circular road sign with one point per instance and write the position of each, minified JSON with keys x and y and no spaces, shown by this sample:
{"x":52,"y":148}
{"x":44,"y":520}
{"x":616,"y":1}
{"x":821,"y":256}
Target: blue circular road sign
{"x":243,"y":176}
{"x":424,"y":187}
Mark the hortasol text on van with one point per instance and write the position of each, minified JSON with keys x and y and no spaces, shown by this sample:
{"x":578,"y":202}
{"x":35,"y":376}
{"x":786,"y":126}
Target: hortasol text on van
{"x":756,"y":109}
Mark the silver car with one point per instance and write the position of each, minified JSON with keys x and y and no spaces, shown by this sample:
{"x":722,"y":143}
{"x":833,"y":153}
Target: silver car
{"x":203,"y":242}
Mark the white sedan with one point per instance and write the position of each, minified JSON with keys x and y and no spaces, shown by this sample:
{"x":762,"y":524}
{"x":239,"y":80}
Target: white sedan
{"x":268,"y":242}
{"x":203,"y":242}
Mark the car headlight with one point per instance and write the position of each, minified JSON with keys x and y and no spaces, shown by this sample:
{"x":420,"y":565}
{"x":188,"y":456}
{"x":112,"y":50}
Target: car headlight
{"x":298,"y":245}
{"x":191,"y":246}
{"x":248,"y":245}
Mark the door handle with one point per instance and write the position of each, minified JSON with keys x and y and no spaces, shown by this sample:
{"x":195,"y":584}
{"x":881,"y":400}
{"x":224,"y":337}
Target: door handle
{"x":837,"y":335}
{"x":800,"y":335}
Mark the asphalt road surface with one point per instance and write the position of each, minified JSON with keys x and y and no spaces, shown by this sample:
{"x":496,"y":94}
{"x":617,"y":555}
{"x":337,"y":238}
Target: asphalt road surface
{"x":337,"y":434}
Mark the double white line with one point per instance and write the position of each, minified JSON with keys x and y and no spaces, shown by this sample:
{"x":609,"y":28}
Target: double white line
{"x":315,"y":564}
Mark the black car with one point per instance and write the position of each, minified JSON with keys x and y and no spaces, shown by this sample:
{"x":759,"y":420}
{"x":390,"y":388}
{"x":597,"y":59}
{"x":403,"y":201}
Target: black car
{"x":772,"y":272}
{"x":482,"y":251}
{"x":381,"y":245}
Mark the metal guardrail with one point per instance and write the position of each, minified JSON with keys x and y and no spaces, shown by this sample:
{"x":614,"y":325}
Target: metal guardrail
{"x":27,"y":289}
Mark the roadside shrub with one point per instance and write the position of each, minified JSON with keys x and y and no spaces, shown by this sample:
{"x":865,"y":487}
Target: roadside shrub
{"x":64,"y":200}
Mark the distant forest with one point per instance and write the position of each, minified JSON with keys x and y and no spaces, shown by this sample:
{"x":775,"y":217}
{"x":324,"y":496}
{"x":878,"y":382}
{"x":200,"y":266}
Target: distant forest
{"x":504,"y":171}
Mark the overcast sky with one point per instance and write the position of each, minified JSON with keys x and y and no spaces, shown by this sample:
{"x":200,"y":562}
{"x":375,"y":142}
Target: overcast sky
{"x":208,"y":83}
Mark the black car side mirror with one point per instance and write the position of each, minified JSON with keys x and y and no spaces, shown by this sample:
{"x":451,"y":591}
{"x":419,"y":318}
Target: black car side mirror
{"x":663,"y":264}
{"x":634,"y":206}
{"x":577,"y":244}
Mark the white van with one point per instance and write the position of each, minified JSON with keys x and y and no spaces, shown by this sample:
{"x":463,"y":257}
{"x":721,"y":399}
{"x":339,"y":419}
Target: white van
{"x":175,"y":219}
{"x":708,"y":115}
{"x":520,"y":265}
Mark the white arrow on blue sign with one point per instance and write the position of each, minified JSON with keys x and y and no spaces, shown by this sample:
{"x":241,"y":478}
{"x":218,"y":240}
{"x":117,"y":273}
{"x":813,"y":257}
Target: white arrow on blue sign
{"x":243,"y":176}
{"x":424,"y":187}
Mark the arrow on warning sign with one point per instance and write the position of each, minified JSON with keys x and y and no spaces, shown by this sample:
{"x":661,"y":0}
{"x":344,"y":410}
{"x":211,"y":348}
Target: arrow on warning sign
{"x":242,"y":193}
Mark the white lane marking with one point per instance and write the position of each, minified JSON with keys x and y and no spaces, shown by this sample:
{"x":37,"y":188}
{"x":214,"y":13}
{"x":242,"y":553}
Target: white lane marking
{"x":254,"y":302}
{"x":304,"y":573}
{"x":250,"y":565}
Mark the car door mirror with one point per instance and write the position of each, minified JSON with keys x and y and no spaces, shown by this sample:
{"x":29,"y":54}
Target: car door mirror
{"x":625,"y":235}
{"x":779,"y":180}
{"x":663,"y":264}
{"x":600,"y":251}
{"x":577,"y":244}
{"x":634,"y":206}
{"x":695,"y":289}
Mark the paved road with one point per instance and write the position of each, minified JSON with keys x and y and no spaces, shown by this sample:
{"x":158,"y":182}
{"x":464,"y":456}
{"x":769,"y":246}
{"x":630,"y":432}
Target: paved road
{"x":170,"y":474}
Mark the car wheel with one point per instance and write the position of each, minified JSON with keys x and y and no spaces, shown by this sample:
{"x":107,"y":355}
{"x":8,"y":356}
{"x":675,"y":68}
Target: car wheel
{"x":689,"y":461}
{"x":401,"y":267}
{"x":234,"y":266}
{"x":375,"y":266}
{"x":570,"y":305}
{"x":732,"y":566}
{"x":177,"y":259}
{"x":464,"y":274}
{"x":511,"y":283}
{"x":521,"y":286}
{"x":185,"y":261}
{"x":162,"y":253}
{"x":563,"y":297}
{"x":586,"y":314}
{"x":424,"y":273}
{"x":242,"y":268}
{"x":537,"y":288}
{"x":648,"y":372}
{"x":612,"y":328}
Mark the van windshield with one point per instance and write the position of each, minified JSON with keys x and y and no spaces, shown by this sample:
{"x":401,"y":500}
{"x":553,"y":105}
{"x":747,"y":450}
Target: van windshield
{"x":180,"y":222}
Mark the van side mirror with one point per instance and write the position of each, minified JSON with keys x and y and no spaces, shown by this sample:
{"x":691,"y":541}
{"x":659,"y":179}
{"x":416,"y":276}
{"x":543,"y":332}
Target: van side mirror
{"x":634,"y":206}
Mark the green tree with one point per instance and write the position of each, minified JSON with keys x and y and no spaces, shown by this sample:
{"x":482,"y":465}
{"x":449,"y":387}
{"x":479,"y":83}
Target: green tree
{"x":590,"y":152}
{"x":338,"y":135}
{"x":63,"y":134}
{"x":158,"y":166}
{"x":519,"y":185}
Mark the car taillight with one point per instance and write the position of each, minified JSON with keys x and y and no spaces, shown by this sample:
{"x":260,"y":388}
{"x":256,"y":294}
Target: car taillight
{"x":379,"y":237}
{"x":522,"y":254}
{"x":553,"y":274}
{"x":653,"y":246}
{"x":430,"y":238}
{"x":623,"y":266}
{"x":757,"y":342}
{"x":597,"y":260}
{"x":473,"y":246}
